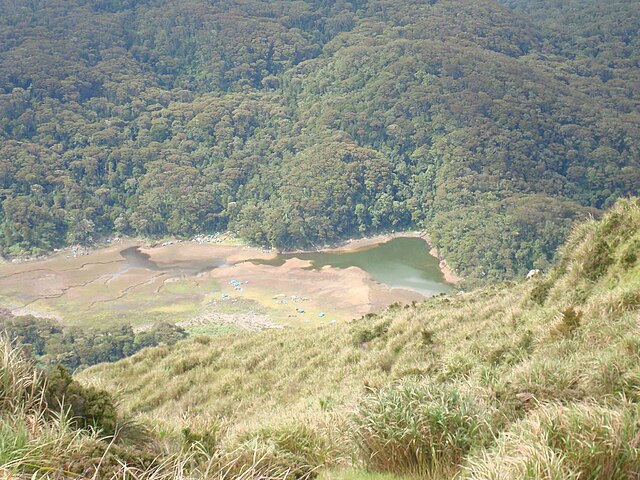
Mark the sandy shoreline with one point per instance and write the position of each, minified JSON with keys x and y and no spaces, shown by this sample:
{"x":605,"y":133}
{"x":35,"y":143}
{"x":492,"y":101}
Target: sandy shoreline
{"x":350,"y":245}
{"x":101,"y":287}
{"x":449,"y":274}
{"x":368,"y":242}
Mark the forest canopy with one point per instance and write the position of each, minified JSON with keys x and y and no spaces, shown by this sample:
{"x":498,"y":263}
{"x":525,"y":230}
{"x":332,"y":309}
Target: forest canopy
{"x":494,"y":126}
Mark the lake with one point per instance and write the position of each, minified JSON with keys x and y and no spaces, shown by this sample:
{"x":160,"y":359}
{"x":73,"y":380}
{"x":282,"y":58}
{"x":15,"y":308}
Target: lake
{"x":402,"y":262}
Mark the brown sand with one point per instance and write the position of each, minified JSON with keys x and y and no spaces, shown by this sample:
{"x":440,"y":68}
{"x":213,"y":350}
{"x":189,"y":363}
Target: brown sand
{"x":365,"y":242}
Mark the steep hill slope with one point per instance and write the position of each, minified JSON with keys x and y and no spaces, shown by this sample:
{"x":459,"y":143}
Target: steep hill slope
{"x":537,"y":379}
{"x":299,"y":123}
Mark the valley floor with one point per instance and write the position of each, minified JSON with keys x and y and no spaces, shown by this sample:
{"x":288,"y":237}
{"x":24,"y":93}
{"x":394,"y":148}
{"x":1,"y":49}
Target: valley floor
{"x":195,"y":283}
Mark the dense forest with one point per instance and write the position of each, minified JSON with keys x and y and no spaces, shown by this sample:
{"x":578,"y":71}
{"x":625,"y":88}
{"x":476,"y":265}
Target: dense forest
{"x":53,"y":344}
{"x":494,"y":126}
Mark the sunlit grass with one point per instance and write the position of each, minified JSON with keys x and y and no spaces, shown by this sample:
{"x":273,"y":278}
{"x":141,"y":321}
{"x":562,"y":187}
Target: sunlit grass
{"x":502,"y":353}
{"x":352,"y":474}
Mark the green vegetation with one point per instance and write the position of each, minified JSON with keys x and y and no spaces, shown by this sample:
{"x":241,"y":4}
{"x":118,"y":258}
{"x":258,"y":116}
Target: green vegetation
{"x":53,"y":427}
{"x":420,"y":429}
{"x":72,"y":347}
{"x":298,"y":123}
{"x":492,"y":124}
{"x":539,"y":379}
{"x":501,"y":382}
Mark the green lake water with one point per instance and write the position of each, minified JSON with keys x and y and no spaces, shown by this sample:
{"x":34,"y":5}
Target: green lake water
{"x":399,"y":263}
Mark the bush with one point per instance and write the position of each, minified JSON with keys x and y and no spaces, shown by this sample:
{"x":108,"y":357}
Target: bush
{"x":52,"y":344}
{"x":598,"y":260}
{"x":366,"y":335}
{"x":570,"y":320}
{"x":417,"y":429}
{"x":206,"y":440}
{"x":88,"y":406}
{"x":629,"y":256}
{"x":540,"y":291}
{"x":428,"y":336}
{"x":97,"y":459}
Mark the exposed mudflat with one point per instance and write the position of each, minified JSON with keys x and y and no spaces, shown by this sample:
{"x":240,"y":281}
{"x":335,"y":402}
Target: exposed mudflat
{"x":191,"y":283}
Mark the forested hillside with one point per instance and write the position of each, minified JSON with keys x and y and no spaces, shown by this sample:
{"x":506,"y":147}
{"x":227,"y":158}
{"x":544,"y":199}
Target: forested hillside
{"x":51,"y":344}
{"x":296,"y":123}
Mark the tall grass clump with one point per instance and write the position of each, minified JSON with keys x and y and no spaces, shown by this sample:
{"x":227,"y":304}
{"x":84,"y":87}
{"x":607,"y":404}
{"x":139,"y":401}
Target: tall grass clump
{"x":580,"y":441}
{"x":39,"y":435}
{"x":28,"y":435}
{"x":19,"y":381}
{"x":292,"y":450}
{"x":418,"y":429}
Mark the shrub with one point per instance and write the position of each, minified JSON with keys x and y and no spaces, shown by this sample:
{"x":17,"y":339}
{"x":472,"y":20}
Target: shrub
{"x":417,"y":429}
{"x":386,"y":361}
{"x":427,"y":336}
{"x":629,"y":256}
{"x":598,"y":260}
{"x":186,"y":364}
{"x":206,"y":439}
{"x":570,"y":320}
{"x":540,"y":291}
{"x":366,"y":335}
{"x":97,"y":459}
{"x":88,"y":406}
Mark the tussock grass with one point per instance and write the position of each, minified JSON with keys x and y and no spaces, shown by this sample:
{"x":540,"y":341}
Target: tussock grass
{"x":38,"y":443}
{"x":19,"y":381}
{"x":294,"y":451}
{"x":577,"y":441}
{"x":419,"y":429}
{"x":28,"y":436}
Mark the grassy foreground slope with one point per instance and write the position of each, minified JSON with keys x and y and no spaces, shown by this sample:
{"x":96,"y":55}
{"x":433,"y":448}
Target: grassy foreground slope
{"x":538,"y":379}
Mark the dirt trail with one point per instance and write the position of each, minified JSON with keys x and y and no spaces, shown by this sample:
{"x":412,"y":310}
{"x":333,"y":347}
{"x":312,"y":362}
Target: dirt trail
{"x":63,"y":291}
{"x":126,"y":291}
